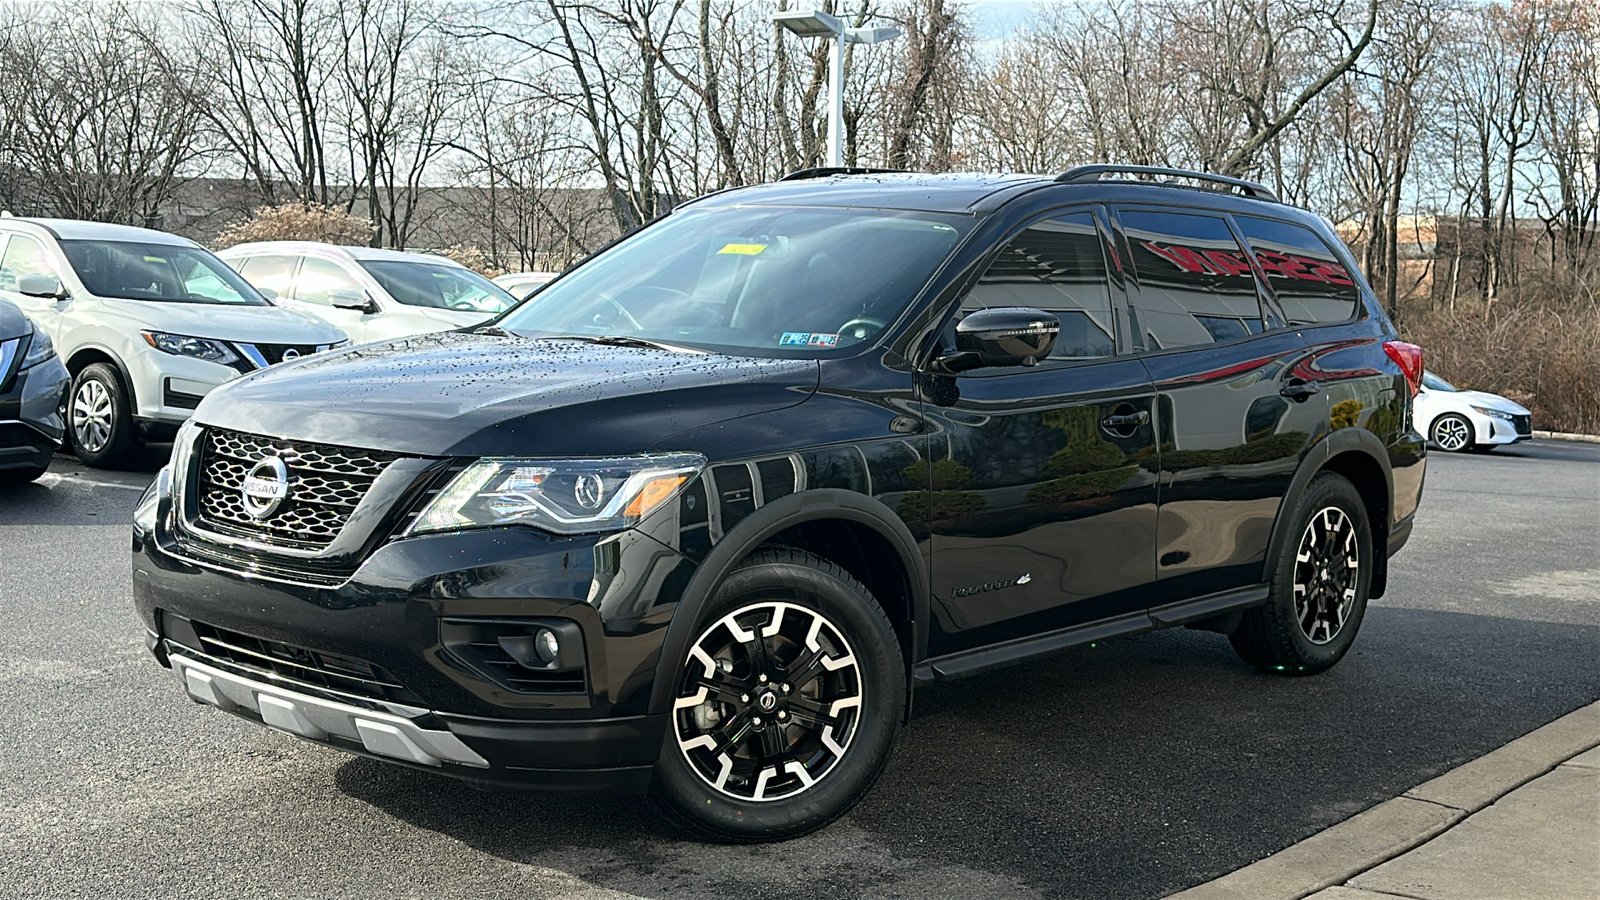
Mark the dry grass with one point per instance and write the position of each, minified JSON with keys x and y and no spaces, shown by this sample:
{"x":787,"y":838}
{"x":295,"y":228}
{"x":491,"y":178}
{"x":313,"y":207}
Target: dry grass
{"x":1539,"y":346}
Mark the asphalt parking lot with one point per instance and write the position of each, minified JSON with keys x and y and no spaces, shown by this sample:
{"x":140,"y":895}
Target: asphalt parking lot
{"x":1133,"y":769}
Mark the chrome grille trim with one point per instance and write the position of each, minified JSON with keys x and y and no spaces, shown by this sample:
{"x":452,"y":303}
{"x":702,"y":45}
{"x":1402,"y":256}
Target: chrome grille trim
{"x":327,"y":483}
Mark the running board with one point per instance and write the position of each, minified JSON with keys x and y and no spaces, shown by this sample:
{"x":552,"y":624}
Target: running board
{"x":982,"y":659}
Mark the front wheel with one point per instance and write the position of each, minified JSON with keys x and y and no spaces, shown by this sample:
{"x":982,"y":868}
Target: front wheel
{"x":1319,"y":587}
{"x":1452,"y":433}
{"x":786,"y":704}
{"x":102,"y":424}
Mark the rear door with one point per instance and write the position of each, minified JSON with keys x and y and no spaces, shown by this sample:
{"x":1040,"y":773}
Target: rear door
{"x":1042,"y":505}
{"x":1237,"y":403}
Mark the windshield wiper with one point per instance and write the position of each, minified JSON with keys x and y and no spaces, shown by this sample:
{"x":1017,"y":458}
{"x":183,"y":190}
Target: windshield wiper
{"x":617,"y":340}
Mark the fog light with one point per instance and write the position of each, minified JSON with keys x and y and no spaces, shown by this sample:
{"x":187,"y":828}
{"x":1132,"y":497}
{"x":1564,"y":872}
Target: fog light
{"x":548,"y":646}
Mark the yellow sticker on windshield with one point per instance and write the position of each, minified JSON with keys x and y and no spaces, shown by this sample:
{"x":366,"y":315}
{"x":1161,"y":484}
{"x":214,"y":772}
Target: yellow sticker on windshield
{"x":744,"y":249}
{"x":154,"y":259}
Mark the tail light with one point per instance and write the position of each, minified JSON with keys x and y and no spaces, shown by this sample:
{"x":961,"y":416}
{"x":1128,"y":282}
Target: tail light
{"x":1409,"y":358}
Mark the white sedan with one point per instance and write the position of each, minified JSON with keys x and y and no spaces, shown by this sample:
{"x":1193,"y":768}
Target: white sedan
{"x":1459,"y":420}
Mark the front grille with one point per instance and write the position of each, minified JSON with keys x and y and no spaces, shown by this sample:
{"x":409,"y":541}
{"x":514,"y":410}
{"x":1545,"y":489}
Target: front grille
{"x":1524,"y":425}
{"x":325,"y":485}
{"x":274,"y":352}
{"x":314,"y":668}
{"x":13,"y":434}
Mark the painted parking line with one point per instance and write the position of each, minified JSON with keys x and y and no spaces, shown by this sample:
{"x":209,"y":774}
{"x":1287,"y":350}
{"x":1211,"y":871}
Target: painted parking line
{"x":52,"y":480}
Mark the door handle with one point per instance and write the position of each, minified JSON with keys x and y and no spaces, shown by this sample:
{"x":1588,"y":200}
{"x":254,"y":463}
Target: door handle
{"x":1141,"y":417}
{"x":1298,"y":390}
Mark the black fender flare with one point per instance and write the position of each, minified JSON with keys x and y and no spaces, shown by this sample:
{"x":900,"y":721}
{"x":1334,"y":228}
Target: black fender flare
{"x":757,"y":528}
{"x":116,"y":363}
{"x":1336,"y":443}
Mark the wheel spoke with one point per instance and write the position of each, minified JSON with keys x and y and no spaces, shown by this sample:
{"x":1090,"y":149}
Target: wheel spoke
{"x":771,"y":742}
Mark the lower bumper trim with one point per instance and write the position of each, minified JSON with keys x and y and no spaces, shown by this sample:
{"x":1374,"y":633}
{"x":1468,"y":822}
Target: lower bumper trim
{"x":317,"y":719}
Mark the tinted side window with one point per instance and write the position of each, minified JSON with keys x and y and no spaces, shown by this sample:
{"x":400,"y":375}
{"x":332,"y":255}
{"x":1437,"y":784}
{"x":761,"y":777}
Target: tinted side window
{"x":320,"y":279}
{"x":24,"y":256}
{"x":1058,"y":266}
{"x":1310,"y":283}
{"x":1195,"y":285}
{"x":270,"y":272}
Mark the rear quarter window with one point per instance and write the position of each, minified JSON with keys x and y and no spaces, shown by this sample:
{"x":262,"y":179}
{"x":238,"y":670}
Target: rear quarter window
{"x":1311,"y":284}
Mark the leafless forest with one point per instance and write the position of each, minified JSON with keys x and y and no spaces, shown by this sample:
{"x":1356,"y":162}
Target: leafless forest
{"x":1456,"y":143}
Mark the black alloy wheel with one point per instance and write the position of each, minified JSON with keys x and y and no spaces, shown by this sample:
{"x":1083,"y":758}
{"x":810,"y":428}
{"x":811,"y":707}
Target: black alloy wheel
{"x":1319,"y":587}
{"x":786,"y":704}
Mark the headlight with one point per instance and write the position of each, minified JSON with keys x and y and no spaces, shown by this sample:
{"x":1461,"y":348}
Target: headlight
{"x":1494,"y":413}
{"x":323,"y":348}
{"x":198,"y":348}
{"x":39,"y":349}
{"x":144,"y":515}
{"x":566,"y":496}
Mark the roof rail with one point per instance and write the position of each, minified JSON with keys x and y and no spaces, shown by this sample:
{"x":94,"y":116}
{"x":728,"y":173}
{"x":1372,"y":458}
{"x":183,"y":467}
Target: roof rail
{"x":1082,"y":174}
{"x":825,"y":171}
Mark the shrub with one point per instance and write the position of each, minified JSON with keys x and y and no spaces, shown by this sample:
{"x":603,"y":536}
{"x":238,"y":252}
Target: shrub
{"x":298,"y":222}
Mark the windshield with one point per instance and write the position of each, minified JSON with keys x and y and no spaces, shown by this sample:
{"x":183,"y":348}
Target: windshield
{"x":438,"y":286}
{"x":777,"y":280}
{"x":1434,"y":383}
{"x":126,"y":270}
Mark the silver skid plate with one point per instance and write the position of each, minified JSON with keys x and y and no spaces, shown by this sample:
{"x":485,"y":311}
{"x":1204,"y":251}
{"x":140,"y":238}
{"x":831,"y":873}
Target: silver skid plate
{"x":317,"y":719}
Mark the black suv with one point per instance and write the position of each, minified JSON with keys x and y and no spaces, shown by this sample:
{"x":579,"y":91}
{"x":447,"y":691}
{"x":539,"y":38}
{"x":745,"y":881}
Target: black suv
{"x":699,"y":516}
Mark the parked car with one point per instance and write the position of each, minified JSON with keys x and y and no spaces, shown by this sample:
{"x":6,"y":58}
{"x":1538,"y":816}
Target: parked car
{"x":1459,"y":420}
{"x":33,"y":394}
{"x":700,"y":520}
{"x":521,"y":284}
{"x":372,"y":294}
{"x":148,"y":323}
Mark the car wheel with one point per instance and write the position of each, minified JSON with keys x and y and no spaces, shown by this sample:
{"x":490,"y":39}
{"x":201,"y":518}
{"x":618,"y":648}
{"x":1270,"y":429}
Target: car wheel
{"x":1452,"y":433}
{"x":102,"y":427}
{"x":12,"y":477}
{"x":1318,"y":594}
{"x":786,"y":705}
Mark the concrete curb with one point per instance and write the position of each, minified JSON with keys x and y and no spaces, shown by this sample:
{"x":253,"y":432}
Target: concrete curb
{"x":1334,"y":856}
{"x":1564,"y":436}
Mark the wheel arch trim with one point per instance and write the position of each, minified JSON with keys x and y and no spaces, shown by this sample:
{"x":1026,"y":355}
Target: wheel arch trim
{"x":1341,"y":443}
{"x":759,"y":527}
{"x":88,"y":354}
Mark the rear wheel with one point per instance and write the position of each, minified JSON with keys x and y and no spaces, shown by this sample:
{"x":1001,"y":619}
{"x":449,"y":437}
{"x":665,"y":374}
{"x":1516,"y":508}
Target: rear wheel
{"x":102,"y":425}
{"x":1319,"y":587}
{"x":1452,"y":433}
{"x":786,"y":705}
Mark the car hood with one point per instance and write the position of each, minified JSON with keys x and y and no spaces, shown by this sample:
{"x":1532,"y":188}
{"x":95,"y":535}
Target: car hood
{"x":248,"y":324}
{"x":1491,"y":401}
{"x":499,"y":394}
{"x":451,"y":318}
{"x":13,"y":323}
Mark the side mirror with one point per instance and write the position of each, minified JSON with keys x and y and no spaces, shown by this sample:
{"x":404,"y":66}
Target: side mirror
{"x":268,"y":293}
{"x":356,"y":300}
{"x":1007,"y":336}
{"x":40,"y":286}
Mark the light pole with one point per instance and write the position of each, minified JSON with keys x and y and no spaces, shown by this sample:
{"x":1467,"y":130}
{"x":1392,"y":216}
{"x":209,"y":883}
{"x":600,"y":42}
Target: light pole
{"x":811,"y":23}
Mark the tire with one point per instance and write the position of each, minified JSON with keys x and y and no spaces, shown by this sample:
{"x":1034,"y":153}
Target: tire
{"x":98,"y":417}
{"x":1452,"y":433}
{"x":780,"y":612}
{"x":16,"y":477}
{"x":1319,"y":589}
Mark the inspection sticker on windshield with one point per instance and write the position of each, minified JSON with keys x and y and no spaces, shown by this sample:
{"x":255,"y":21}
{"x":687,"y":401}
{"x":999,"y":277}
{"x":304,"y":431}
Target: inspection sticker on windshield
{"x":743,"y":249}
{"x":794,"y":339}
{"x":823,"y":340}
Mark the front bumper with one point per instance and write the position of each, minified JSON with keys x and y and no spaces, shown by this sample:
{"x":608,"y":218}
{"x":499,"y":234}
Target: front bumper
{"x":447,"y":713}
{"x":31,"y":421}
{"x":1489,"y":430}
{"x":167,"y":388}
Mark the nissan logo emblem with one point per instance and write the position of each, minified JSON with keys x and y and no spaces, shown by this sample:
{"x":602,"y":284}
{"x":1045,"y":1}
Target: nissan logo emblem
{"x":290,"y":353}
{"x":265,"y":488}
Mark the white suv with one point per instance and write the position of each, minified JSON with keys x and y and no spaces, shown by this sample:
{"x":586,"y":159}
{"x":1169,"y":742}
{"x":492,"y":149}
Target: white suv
{"x":374,"y":295}
{"x":147,"y":323}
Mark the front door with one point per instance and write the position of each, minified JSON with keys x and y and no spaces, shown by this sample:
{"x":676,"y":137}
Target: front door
{"x":1042,"y":486}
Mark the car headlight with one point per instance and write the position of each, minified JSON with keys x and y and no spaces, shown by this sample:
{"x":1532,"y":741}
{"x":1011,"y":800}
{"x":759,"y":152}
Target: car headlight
{"x":1494,"y":413}
{"x":39,"y":349}
{"x":195,"y":347}
{"x":565,"y":496}
{"x":144,"y":514}
{"x":323,"y":348}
